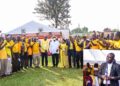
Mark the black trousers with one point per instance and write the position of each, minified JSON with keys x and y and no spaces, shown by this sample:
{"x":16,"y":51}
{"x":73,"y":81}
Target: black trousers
{"x":79,"y":59}
{"x":55,"y":59}
{"x":104,"y":85}
{"x":15,"y":62}
{"x":44,"y":59}
{"x":71,"y":58}
{"x":30,"y":58}
{"x":24,"y":60}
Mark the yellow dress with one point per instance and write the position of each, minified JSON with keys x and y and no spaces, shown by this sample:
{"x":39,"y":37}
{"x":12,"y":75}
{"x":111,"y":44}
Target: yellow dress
{"x":63,"y":55}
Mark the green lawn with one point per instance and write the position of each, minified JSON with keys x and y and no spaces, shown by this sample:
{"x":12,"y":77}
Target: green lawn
{"x":44,"y":76}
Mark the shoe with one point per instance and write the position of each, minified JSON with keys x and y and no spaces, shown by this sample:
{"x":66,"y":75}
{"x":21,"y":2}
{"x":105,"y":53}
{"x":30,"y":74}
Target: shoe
{"x":37,"y":67}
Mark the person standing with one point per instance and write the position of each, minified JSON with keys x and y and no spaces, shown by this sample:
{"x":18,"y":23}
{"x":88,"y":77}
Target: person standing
{"x":71,"y":50}
{"x":3,"y":57}
{"x":16,"y":56}
{"x":79,"y":52}
{"x":36,"y":53}
{"x":44,"y":51}
{"x":109,"y":72}
{"x":54,"y":50}
{"x":19,"y":51}
{"x":9,"y":55}
{"x":63,"y":54}
{"x":25,"y":54}
{"x":30,"y":53}
{"x":96,"y":79}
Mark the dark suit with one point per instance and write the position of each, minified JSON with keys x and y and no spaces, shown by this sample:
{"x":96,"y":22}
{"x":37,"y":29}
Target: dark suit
{"x":115,"y":72}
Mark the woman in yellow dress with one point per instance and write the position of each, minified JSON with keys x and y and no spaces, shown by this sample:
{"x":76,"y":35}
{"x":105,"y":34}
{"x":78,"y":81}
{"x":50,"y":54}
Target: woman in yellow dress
{"x":63,"y":54}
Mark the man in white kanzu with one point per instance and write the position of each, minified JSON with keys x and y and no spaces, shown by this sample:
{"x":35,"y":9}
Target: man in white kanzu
{"x":54,"y":50}
{"x":109,"y":72}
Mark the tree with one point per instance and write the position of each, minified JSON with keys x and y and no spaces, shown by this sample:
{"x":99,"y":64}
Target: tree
{"x":107,"y":30}
{"x":80,"y":30}
{"x":115,"y":30}
{"x":56,"y":11}
{"x":84,"y":29}
{"x":76,"y":30}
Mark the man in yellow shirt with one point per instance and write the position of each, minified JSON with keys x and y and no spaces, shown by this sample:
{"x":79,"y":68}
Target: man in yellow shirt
{"x":3,"y":57}
{"x":16,"y":56}
{"x":24,"y":57}
{"x":30,"y":53}
{"x":79,"y":53}
{"x":44,"y":51}
{"x":71,"y":48}
{"x":94,"y":43}
{"x":36,"y":53}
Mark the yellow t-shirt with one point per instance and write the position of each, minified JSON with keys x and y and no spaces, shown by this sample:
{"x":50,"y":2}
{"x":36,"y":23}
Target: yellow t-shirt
{"x":44,"y":45}
{"x":116,"y":44}
{"x":111,"y":42}
{"x":77,"y":48}
{"x":71,"y":46}
{"x":11,"y":43}
{"x":15,"y":48}
{"x":26,"y":40}
{"x":96,"y":46}
{"x":84,"y":44}
{"x":29,"y":49}
{"x":3,"y":53}
{"x":19,"y":46}
{"x":25,"y":47}
{"x":8,"y":50}
{"x":101,"y":47}
{"x":36,"y":48}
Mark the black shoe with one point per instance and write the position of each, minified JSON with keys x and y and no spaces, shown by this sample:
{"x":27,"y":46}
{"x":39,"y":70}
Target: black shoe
{"x":3,"y":76}
{"x":37,"y":67}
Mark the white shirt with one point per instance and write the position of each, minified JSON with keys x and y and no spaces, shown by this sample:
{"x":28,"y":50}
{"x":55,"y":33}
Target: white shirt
{"x":109,"y":66}
{"x":54,"y":46}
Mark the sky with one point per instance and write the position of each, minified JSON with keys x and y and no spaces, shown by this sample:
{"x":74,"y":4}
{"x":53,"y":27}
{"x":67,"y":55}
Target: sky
{"x":94,"y":14}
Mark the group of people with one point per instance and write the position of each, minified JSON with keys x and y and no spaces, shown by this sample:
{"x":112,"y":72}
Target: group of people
{"x":17,"y":53}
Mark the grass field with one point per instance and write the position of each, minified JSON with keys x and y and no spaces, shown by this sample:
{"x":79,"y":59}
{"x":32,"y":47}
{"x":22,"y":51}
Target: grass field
{"x":44,"y":76}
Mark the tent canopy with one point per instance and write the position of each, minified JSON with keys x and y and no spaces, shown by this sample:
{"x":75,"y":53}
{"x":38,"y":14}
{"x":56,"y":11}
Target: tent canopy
{"x":33,"y":27}
{"x":99,"y":56}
